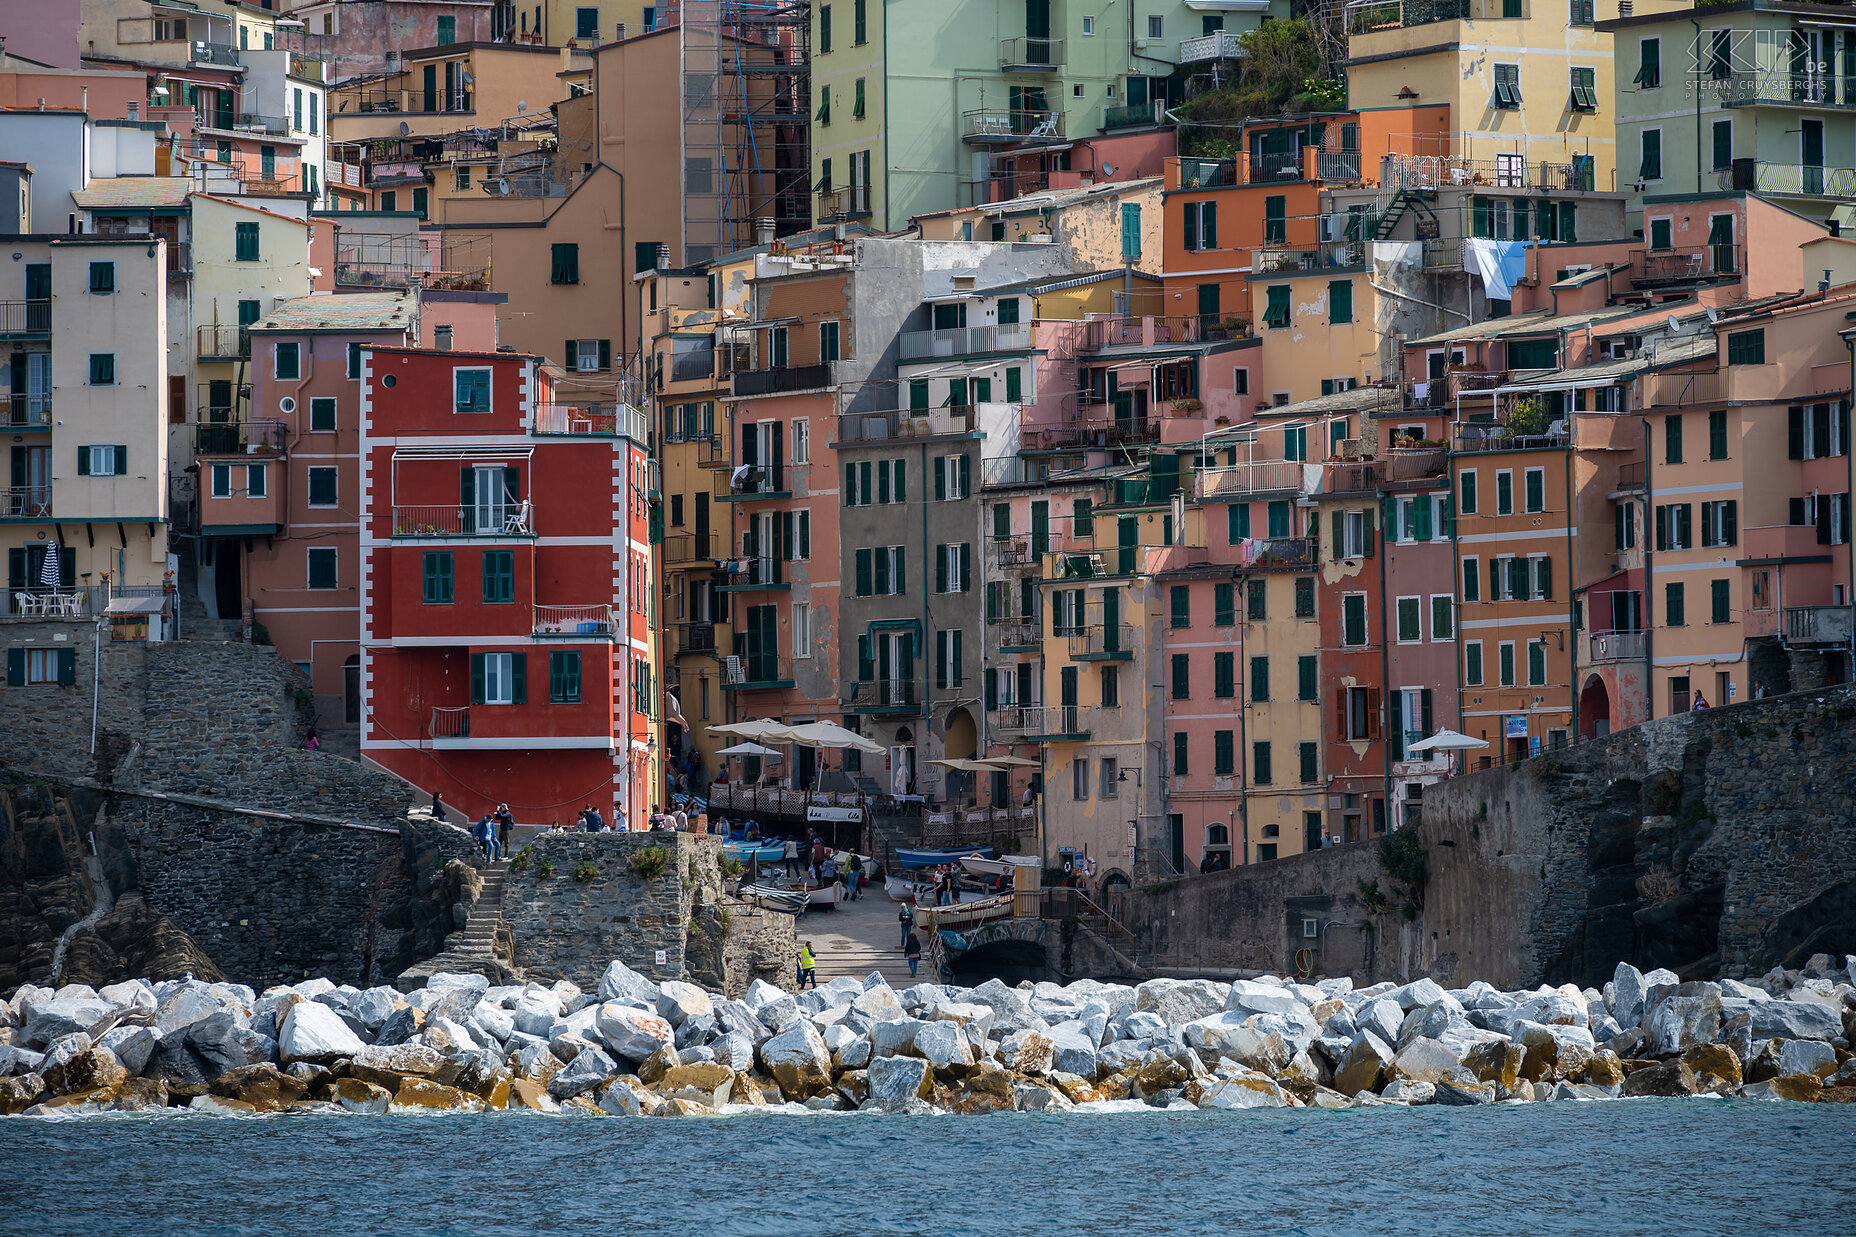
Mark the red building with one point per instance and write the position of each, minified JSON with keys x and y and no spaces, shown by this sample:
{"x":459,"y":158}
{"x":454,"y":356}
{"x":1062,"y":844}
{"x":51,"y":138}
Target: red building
{"x":505,"y":587}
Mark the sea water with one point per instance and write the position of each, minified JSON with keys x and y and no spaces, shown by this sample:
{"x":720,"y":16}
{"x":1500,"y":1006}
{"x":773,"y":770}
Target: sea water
{"x":1667,"y":1167}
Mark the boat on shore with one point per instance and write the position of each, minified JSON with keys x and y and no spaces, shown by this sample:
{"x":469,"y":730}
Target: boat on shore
{"x":965,"y":914}
{"x":754,"y":852}
{"x":934,"y":858}
{"x":825,"y":895}
{"x":1004,"y":864}
{"x":773,"y":898}
{"x":902,"y":889}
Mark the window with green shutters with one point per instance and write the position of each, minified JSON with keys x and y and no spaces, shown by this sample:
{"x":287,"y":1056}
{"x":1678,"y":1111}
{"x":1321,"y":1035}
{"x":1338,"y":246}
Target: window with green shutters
{"x":1672,"y":438}
{"x":1256,"y":600}
{"x":322,"y":487}
{"x":1534,"y":485}
{"x":1179,"y":754}
{"x":1224,"y":753}
{"x":1275,"y":219}
{"x":1180,"y":598}
{"x":245,"y":242}
{"x":1130,"y":231}
{"x":1001,"y":521}
{"x":1674,"y":610}
{"x":1340,"y":301}
{"x":1718,"y":609}
{"x":102,"y":278}
{"x":1182,"y":676}
{"x":857,"y":100}
{"x":1584,"y":90}
{"x":1276,"y":307}
{"x":322,"y":415}
{"x":1307,"y":755}
{"x":564,"y":677}
{"x":1507,"y":87}
{"x":1237,"y":522}
{"x":1504,"y":493}
{"x":1481,"y":218}
{"x":1261,"y":774}
{"x":499,"y":577}
{"x":566,"y":268}
{"x":1224,"y":605}
{"x":438,"y":578}
{"x":1279,"y":514}
{"x":1466,"y":487}
{"x":1410,"y":620}
{"x":1649,"y":64}
{"x":859,"y":23}
{"x":1443,"y":617}
{"x":1083,"y":518}
{"x":1304,"y":597}
{"x":1746,"y":348}
{"x":1650,"y":155}
{"x":1259,"y":678}
{"x":1717,"y":435}
{"x":1224,"y":675}
{"x":1014,"y":385}
{"x":1722,"y":132}
{"x":1307,"y":678}
{"x":102,"y":371}
{"x":1353,"y":619}
{"x":824,"y":29}
{"x":1506,"y":663}
{"x":1472,"y":663}
{"x":289,"y":361}
{"x":321,"y":568}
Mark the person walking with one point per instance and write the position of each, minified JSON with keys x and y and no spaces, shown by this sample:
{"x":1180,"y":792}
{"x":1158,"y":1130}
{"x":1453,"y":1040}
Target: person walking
{"x":808,"y":967}
{"x":912,"y":950}
{"x":1701,"y":702}
{"x":906,"y":918}
{"x":791,"y":851}
{"x":505,"y":825}
{"x":818,"y":859}
{"x":853,"y":872}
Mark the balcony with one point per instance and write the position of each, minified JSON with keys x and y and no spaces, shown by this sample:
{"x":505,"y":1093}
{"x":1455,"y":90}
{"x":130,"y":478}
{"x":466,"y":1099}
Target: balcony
{"x":1479,"y":438}
{"x":1029,"y":55}
{"x":1280,"y":554}
{"x":1789,"y":180}
{"x":576,"y":623}
{"x":965,"y":340}
{"x":1702,"y":264}
{"x":1603,"y":646}
{"x":1054,"y":723}
{"x":228,"y":437}
{"x":782,"y":380}
{"x":1145,"y":332}
{"x":712,"y":453}
{"x":695,"y":638}
{"x":1336,"y":166}
{"x":25,"y":412}
{"x":256,"y":123}
{"x":846,"y":202}
{"x":1006,"y":126}
{"x":348,"y":174}
{"x":180,"y":260}
{"x":754,"y":672}
{"x":754,"y":573}
{"x":26,"y":502}
{"x":867,"y":427}
{"x":891,"y":696}
{"x":1133,"y":116}
{"x":691,"y":547}
{"x":1818,"y":625}
{"x":1631,"y":478}
{"x":449,"y":727}
{"x":222,"y":343}
{"x":1367,"y":16}
{"x":1219,"y":45}
{"x":1403,"y":469}
{"x":1020,"y":636}
{"x":310,"y":68}
{"x":1429,"y":173}
{"x":1242,"y":482}
{"x":1017,"y":719}
{"x":1188,"y":173}
{"x":589,"y":421}
{"x":1107,"y":642}
{"x":25,"y":319}
{"x":1335,"y":255}
{"x":432,"y":522}
{"x":1013,"y":555}
{"x":223,"y":55}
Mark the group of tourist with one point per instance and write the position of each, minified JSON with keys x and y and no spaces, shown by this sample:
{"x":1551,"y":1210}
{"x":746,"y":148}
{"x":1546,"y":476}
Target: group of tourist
{"x":492,"y":831}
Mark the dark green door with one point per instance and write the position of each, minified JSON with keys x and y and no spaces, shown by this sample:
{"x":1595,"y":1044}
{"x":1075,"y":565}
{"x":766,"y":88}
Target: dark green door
{"x":430,"y":90}
{"x":1176,"y":840}
{"x":267,"y":162}
{"x":225,"y":116}
{"x":1111,"y":620}
{"x":1037,"y":31}
{"x":39,"y":297}
{"x":1040,"y":528}
{"x":1127,"y":537}
{"x":1812,"y":143}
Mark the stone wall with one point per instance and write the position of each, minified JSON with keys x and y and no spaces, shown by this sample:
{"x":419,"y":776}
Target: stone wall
{"x":1719,"y":842}
{"x":48,"y":726}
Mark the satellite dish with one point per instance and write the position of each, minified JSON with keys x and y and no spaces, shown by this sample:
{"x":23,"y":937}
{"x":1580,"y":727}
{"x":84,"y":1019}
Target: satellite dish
{"x":1675,"y":326}
{"x":502,"y":186}
{"x":405,"y":128}
{"x":286,"y":405}
{"x":1713,"y":314}
{"x":1108,"y":169}
{"x":521,"y":106}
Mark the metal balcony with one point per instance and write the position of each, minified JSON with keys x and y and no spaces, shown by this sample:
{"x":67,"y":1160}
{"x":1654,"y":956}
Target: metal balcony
{"x":887,"y":696}
{"x":695,"y":638}
{"x":1021,"y":636}
{"x":1054,"y":723}
{"x":25,"y":412}
{"x":965,"y":340}
{"x":449,"y":726}
{"x":1028,"y":55}
{"x":222,"y":343}
{"x":437,"y":522}
{"x":228,"y":437}
{"x":26,"y":502}
{"x":1615,"y":646}
{"x":1105,"y":642}
{"x":576,"y":623}
{"x":782,"y":379}
{"x":590,"y":421}
{"x":905,"y":423}
{"x":25,"y":319}
{"x":1009,"y":126}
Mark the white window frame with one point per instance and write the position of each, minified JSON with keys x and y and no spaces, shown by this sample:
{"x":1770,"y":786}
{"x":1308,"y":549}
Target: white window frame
{"x":1513,"y":670}
{"x":1475,"y":483}
{"x":1472,"y":567}
{"x":1535,"y":570}
{"x":103,"y":453}
{"x":1079,"y":778}
{"x":1353,"y":534}
{"x":802,"y":440}
{"x":1526,"y":474}
{"x":1366,"y":622}
{"x":1089,"y":27}
{"x":1531,"y":646}
{"x":1109,"y":770}
{"x":1499,"y":474}
{"x":277,"y":353}
{"x":586,"y":356}
{"x":334,"y":413}
{"x":1449,"y":600}
{"x":802,"y":630}
{"x":499,"y":681}
{"x":222,"y":481}
{"x":1398,"y":619}
{"x":1482,"y":667}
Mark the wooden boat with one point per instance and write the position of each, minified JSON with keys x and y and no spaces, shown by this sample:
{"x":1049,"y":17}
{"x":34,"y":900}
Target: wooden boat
{"x":771,"y":897}
{"x":754,"y":852}
{"x":965,"y":914}
{"x":1000,"y":866}
{"x":934,"y":858}
{"x":904,"y":890}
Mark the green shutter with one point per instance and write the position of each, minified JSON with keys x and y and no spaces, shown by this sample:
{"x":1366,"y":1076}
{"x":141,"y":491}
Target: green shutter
{"x":1307,"y":684}
{"x":476,"y":678}
{"x":518,"y":677}
{"x":67,"y":667}
{"x":940,"y":478}
{"x":850,"y":484}
{"x":940,"y":569}
{"x":966,"y":566}
{"x":16,"y":667}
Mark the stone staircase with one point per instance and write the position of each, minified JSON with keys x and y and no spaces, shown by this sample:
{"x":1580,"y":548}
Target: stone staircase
{"x":194,"y":622}
{"x":475,"y":949}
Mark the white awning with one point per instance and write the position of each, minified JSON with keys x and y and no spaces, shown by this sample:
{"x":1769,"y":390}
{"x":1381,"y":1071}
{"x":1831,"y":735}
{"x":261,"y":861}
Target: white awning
{"x":137,"y":605}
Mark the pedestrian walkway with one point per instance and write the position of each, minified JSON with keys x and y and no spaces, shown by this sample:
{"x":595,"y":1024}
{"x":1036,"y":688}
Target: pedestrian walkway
{"x":859,"y":937}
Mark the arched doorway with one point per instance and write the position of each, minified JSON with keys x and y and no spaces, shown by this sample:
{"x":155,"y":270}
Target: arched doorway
{"x":351,"y":689}
{"x":962,"y":736}
{"x":1594,"y":709}
{"x":902,"y":762}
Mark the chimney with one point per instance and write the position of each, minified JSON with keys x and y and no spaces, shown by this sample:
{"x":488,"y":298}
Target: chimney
{"x":1823,"y":285}
{"x":763,"y":231}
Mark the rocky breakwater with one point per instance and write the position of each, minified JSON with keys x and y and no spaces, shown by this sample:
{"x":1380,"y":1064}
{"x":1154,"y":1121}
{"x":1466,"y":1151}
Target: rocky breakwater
{"x":636,"y":1047}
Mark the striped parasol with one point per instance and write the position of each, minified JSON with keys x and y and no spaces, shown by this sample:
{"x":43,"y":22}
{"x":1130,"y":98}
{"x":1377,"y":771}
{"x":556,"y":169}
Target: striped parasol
{"x":49,"y":571}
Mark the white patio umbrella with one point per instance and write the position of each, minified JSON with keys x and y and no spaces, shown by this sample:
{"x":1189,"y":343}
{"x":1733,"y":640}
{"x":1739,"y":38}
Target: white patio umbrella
{"x":762,"y":729}
{"x":1447,"y":741}
{"x":752,"y":749}
{"x":1009,"y":762}
{"x":824,"y":734}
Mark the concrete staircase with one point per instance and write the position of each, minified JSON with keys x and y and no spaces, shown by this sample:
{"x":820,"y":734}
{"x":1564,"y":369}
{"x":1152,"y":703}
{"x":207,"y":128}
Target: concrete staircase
{"x":194,"y":623}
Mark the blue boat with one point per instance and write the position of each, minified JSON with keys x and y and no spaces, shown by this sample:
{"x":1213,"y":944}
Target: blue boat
{"x":933,"y":858}
{"x":751,"y":852}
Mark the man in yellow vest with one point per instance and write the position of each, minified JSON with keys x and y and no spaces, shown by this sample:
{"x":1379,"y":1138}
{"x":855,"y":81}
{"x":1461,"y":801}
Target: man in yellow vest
{"x":807,"y":974}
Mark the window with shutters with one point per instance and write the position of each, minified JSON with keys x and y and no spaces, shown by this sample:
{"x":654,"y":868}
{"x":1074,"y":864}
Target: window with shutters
{"x":499,"y":577}
{"x":1304,"y":597}
{"x":289,"y":361}
{"x":1259,"y":679}
{"x":102,"y":278}
{"x":1201,"y":224}
{"x":1505,"y":664}
{"x":1079,"y":778}
{"x":470,"y":391}
{"x":1307,"y":678}
{"x":1540,"y":573}
{"x":1276,"y":307}
{"x":1410,"y":620}
{"x":1261,"y":772}
{"x":1182,"y":676}
{"x":1130,"y":231}
{"x":1224,"y":605}
{"x":495,"y":678}
{"x":1672,"y":438}
{"x":1224,"y":753}
{"x":1353,"y":619}
{"x":439,"y":578}
{"x":1673,"y":528}
{"x":322,"y":486}
{"x":1180,"y":749}
{"x":1472,"y":663}
{"x":1359,"y":714}
{"x":1278,"y":515}
{"x":1717,"y":435}
{"x":1354,"y":531}
{"x":1256,"y":600}
{"x":953,"y":568}
{"x":322,"y":415}
{"x":1649,"y":64}
{"x":827,"y":341}
{"x":1466,"y":492}
{"x":1720,"y":523}
{"x":1675,"y":612}
{"x":564,"y":677}
{"x":1507,"y":87}
{"x":1746,"y":348}
{"x":321,"y":567}
{"x":1443,"y":616}
{"x":1111,"y":687}
{"x":1650,"y":154}
{"x":949,"y":670}
{"x":1224,"y":676}
{"x":1584,"y":90}
{"x":245,"y":242}
{"x":99,"y":460}
{"x":1472,"y":579}
{"x":1536,"y":663}
{"x":566,"y":267}
{"x":952,"y":477}
{"x":1504,"y":492}
{"x":1179,"y":598}
{"x":1340,"y":301}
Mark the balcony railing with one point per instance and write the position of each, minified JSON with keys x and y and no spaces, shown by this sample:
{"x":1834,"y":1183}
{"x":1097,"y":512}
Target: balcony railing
{"x":25,"y":317}
{"x":1219,"y":45}
{"x":695,"y":638}
{"x":1818,"y":624}
{"x":342,"y":174}
{"x":1000,"y":124}
{"x":1053,"y":720}
{"x":691,"y":547}
{"x":1337,"y":165}
{"x":1014,"y":554}
{"x":1133,"y":115}
{"x":313,"y":68}
{"x":1471,"y":439}
{"x":222,"y":343}
{"x":1631,"y":476}
{"x":1104,"y":642}
{"x":1029,"y":55}
{"x":1615,"y":646}
{"x":905,"y":423}
{"x":782,"y":379}
{"x":1431,"y":172}
{"x":891,"y":695}
{"x":1701,"y":264}
{"x":449,"y":724}
{"x":1018,"y":719}
{"x":1321,"y":257}
{"x":1366,"y":16}
{"x":258,"y":123}
{"x":1237,"y":481}
{"x":591,"y":420}
{"x":1279,"y":553}
{"x":427,"y":521}
{"x":1145,"y":332}
{"x":960,"y":341}
{"x":761,"y":571}
{"x":1797,"y":180}
{"x":1204,"y":173}
{"x":35,"y":601}
{"x":25,"y":412}
{"x":229,"y":437}
{"x":222,"y":54}
{"x":26,"y":502}
{"x":576,"y":623}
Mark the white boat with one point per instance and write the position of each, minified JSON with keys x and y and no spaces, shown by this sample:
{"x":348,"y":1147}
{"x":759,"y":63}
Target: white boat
{"x":825,"y":895}
{"x":1000,"y":866}
{"x":903,"y":890}
{"x":770,"y":897}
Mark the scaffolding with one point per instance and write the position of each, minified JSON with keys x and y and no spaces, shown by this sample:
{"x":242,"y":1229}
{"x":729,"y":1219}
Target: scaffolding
{"x":745,"y":119}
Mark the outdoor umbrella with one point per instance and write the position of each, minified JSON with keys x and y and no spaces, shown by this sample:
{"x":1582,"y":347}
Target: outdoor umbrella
{"x":824,"y":734}
{"x":1009,"y":762}
{"x":763,"y":729}
{"x":752,"y":749}
{"x":1447,"y":741}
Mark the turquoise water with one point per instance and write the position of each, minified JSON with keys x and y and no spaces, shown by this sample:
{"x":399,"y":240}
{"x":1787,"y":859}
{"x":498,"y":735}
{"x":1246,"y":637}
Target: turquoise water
{"x":1668,"y":1167}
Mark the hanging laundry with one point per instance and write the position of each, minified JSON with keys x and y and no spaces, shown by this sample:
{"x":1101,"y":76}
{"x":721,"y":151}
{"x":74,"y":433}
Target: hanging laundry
{"x":1501,"y":264}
